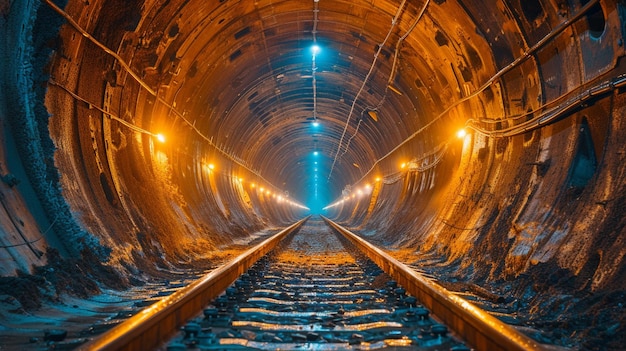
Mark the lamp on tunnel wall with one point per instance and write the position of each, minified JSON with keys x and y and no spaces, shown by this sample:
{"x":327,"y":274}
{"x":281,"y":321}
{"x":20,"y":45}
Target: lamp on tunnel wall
{"x":160,"y":137}
{"x":161,"y":156}
{"x":461,"y":133}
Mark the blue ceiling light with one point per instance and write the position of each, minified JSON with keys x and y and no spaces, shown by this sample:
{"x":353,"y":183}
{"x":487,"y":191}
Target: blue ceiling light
{"x":315,"y":49}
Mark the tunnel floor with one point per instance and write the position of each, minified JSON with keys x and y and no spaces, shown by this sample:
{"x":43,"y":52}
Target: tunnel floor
{"x":563,"y":323}
{"x":316,"y":291}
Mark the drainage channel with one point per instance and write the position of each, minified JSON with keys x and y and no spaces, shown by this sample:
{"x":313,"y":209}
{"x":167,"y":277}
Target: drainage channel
{"x":314,"y":291}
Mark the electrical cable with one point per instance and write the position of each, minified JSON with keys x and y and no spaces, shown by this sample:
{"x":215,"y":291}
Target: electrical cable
{"x":527,"y":54}
{"x":313,"y":65}
{"x":356,"y":97}
{"x":127,"y":68}
{"x":391,"y":75}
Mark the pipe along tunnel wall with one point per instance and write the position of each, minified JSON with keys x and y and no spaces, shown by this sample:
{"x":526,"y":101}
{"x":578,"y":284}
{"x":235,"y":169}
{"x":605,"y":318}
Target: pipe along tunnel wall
{"x":528,"y":205}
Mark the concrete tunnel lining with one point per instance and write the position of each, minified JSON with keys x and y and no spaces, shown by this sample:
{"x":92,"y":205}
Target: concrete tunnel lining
{"x":537,"y":85}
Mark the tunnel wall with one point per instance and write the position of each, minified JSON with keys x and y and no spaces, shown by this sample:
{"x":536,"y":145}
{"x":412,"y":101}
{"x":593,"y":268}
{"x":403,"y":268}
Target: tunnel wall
{"x":124,"y":191}
{"x":99,"y":185}
{"x":532,"y":199}
{"x":540,"y":223}
{"x":542,"y":202}
{"x":28,"y":37}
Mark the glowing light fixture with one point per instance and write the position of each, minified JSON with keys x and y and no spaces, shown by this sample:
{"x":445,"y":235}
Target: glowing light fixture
{"x":160,"y":137}
{"x":461,"y":133}
{"x":211,"y":166}
{"x":315,"y":153}
{"x":316,"y":124}
{"x":315,"y":49}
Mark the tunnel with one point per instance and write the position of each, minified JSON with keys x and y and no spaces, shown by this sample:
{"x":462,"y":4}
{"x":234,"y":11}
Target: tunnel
{"x":483,"y":140}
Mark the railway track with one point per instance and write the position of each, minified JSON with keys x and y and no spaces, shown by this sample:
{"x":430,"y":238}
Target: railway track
{"x":315,"y":290}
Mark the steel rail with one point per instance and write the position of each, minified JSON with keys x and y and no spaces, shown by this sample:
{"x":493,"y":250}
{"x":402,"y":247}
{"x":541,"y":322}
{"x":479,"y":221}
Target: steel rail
{"x":156,"y":324}
{"x":481,"y":330}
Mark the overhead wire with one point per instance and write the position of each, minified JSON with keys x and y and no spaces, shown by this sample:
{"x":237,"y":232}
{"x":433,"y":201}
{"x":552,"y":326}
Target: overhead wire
{"x":527,"y":54}
{"x":432,"y":158}
{"x":313,"y":64}
{"x":367,"y":76}
{"x":315,"y":50}
{"x":391,"y":74}
{"x":91,"y":105}
{"x":233,"y":158}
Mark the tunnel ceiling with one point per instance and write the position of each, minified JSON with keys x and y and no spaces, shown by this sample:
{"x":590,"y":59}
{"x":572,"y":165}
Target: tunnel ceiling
{"x":242,"y":76}
{"x":247,"y":75}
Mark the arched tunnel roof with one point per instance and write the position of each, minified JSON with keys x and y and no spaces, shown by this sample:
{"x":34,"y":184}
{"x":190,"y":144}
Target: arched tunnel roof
{"x":160,"y":133}
{"x":310,"y":99}
{"x":242,"y":76}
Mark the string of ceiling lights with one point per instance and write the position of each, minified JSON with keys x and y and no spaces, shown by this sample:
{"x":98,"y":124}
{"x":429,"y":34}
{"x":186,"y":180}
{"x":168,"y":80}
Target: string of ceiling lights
{"x":315,"y":50}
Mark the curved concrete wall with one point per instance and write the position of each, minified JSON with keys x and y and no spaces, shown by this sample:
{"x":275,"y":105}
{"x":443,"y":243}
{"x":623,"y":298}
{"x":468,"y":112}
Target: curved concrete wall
{"x":533,"y":194}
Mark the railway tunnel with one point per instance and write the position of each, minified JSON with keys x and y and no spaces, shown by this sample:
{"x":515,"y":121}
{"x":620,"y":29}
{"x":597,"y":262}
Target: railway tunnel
{"x":481,"y":139}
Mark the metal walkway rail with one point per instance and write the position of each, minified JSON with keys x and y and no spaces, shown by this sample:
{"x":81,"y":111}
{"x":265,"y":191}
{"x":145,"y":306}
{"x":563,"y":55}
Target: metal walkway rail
{"x":481,"y":330}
